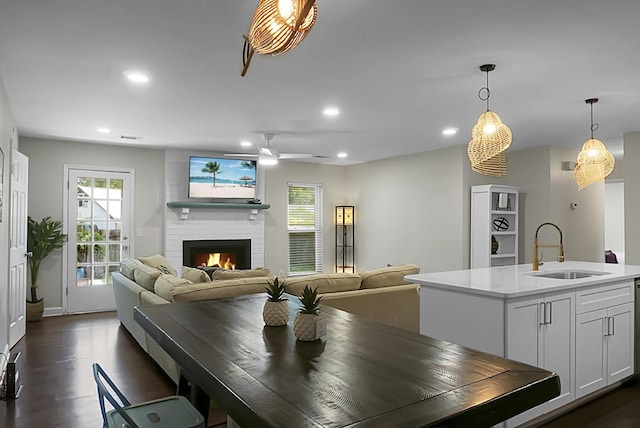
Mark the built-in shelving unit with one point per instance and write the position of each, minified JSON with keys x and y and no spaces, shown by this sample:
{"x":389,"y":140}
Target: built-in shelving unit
{"x":494,"y":225}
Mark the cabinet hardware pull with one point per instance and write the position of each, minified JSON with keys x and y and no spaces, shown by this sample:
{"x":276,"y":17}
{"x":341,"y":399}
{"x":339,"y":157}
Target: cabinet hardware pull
{"x":543,"y":313}
{"x":613,"y":326}
{"x":550,"y":311}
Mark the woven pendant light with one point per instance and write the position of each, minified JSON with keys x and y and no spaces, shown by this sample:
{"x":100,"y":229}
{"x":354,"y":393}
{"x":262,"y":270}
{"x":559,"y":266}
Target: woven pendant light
{"x":594,"y":161}
{"x":490,"y":138}
{"x":277,"y":27}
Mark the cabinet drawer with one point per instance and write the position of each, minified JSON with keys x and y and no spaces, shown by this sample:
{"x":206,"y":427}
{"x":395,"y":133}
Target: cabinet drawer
{"x":604,"y":296}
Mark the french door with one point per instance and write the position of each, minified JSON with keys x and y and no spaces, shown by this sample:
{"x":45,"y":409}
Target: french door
{"x":97,"y":227}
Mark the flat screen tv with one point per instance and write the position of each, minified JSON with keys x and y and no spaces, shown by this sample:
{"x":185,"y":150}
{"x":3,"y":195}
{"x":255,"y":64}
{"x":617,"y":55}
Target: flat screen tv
{"x":222,"y":178}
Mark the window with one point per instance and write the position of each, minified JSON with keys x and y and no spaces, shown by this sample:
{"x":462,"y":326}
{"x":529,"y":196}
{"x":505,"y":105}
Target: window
{"x":304,"y":226}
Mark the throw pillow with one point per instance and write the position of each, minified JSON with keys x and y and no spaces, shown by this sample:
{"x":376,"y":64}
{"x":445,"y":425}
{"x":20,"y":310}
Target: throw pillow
{"x":159,"y":262}
{"x":387,"y":276}
{"x":165,"y":283}
{"x":244,"y":273}
{"x":195,"y":275}
{"x":127,"y":266}
{"x":146,"y":276}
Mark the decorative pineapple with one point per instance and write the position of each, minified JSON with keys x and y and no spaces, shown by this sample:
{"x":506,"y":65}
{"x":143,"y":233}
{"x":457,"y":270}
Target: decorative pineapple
{"x":276,"y":308}
{"x":308,"y":326}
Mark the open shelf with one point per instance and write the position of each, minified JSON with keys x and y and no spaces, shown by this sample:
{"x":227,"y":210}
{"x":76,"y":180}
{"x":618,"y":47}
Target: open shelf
{"x":217,"y":205}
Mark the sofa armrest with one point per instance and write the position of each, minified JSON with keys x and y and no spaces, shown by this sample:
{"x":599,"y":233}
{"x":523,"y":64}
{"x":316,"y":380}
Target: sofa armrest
{"x":398,"y":306}
{"x":127,"y":295}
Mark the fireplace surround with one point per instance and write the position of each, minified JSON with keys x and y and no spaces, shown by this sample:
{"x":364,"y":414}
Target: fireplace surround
{"x":224,"y":253}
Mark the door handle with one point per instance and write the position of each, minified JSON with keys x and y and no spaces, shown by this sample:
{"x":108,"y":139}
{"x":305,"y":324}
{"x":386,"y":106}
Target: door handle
{"x":28,"y":254}
{"x":125,"y":247}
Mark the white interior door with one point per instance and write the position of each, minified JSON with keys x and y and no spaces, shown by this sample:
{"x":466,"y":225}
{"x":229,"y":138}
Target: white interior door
{"x":98,"y":215}
{"x":18,"y":246}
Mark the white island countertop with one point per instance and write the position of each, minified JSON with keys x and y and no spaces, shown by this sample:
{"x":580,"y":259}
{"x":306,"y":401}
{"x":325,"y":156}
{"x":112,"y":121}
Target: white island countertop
{"x":520,"y":280}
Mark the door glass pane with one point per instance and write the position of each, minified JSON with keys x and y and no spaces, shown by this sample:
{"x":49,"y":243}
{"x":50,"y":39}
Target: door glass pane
{"x":98,"y":229}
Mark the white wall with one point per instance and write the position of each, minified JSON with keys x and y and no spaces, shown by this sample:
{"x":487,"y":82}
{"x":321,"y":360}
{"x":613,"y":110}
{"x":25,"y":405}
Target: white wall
{"x":614,"y":218}
{"x":8,"y":140}
{"x":632,"y":197}
{"x":46,"y":169}
{"x":412,"y":209}
{"x":333,"y":180}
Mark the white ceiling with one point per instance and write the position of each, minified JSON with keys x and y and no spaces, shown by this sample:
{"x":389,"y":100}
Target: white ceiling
{"x":399,"y":70}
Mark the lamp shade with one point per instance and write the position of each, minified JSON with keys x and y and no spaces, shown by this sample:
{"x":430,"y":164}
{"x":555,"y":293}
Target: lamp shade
{"x":490,"y":138}
{"x":278,"y":25}
{"x":594,"y":163}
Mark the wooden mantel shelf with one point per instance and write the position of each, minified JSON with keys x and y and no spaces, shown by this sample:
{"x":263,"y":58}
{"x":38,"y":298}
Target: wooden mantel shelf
{"x":217,"y":205}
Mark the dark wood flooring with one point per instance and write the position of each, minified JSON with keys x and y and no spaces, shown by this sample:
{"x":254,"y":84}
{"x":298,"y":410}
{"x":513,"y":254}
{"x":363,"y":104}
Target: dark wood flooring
{"x":59,"y":391}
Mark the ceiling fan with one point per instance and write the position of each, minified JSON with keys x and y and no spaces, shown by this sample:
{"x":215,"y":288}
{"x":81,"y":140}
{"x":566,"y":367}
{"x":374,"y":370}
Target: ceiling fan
{"x":268,"y":155}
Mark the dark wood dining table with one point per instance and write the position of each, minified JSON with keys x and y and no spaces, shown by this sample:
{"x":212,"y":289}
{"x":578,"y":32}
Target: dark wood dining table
{"x":361,"y":373}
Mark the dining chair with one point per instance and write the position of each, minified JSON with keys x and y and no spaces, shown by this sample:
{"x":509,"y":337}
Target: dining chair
{"x":169,"y":412}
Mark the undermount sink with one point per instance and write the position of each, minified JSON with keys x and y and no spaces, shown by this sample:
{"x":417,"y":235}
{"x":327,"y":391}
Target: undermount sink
{"x":569,"y":274}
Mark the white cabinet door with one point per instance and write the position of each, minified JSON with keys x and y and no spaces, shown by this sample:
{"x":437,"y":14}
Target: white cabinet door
{"x":590,"y":352}
{"x":604,"y":347}
{"x":540,"y":332}
{"x":558,"y":346}
{"x":523,"y":344}
{"x":620,"y":341}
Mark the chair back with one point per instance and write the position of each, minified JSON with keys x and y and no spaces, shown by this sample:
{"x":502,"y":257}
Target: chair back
{"x":105,"y":391}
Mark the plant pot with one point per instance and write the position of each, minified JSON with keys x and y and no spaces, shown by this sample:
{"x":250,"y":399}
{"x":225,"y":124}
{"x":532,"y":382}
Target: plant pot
{"x":35,"y":310}
{"x":309,"y":327}
{"x":275,"y":313}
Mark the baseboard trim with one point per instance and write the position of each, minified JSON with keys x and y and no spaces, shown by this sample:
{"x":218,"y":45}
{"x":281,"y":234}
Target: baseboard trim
{"x":53,"y":312}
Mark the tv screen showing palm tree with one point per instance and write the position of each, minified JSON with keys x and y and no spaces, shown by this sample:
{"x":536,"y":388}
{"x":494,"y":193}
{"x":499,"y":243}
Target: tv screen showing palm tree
{"x":222,"y":178}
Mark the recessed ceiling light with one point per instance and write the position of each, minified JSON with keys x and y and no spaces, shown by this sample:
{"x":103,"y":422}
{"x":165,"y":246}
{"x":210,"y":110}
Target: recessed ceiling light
{"x":331,"y":111}
{"x":449,"y":131}
{"x":342,"y":155}
{"x":103,"y":130}
{"x":245,"y":143}
{"x":136,"y":76}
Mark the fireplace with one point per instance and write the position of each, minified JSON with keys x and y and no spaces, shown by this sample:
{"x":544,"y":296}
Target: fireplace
{"x":225,"y":253}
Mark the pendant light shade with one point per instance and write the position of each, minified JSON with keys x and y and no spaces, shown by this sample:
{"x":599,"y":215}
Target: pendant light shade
{"x":277,"y":27}
{"x":594,"y":161}
{"x":490,"y":138}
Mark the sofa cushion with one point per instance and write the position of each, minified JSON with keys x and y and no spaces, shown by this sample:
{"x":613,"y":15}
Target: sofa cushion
{"x":387,"y":276}
{"x":127,"y":266}
{"x":195,"y":274}
{"x":165,"y":283}
{"x":324,"y":282}
{"x":146,"y":276}
{"x":159,"y":262}
{"x":220,"y":289}
{"x":240,"y":273}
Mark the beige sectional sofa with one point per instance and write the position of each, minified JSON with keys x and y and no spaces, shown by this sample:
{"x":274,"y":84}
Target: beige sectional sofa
{"x":380,"y":294}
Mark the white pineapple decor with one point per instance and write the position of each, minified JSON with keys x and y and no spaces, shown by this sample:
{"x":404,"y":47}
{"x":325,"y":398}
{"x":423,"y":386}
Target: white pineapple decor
{"x":308,"y":325}
{"x":276,"y":308}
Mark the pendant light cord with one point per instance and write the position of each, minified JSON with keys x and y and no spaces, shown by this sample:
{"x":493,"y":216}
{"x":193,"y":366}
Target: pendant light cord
{"x":486,"y":88}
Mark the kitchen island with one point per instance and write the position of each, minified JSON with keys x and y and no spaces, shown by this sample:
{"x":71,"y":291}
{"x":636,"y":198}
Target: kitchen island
{"x":573,"y":318}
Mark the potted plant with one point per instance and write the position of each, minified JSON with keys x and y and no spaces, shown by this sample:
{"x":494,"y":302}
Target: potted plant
{"x":308,"y":325}
{"x":42,"y":238}
{"x":276,"y":308}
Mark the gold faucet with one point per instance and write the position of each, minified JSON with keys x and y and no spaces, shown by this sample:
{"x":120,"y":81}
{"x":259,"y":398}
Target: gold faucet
{"x":536,"y":261}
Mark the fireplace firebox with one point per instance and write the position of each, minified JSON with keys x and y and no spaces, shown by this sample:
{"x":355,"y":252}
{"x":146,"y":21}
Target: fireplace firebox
{"x":225,"y":253}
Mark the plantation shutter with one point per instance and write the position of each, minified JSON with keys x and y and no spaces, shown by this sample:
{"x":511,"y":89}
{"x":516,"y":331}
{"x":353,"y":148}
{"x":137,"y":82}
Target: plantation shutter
{"x":304,"y":225}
